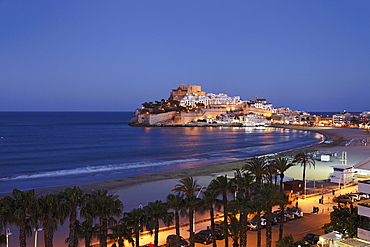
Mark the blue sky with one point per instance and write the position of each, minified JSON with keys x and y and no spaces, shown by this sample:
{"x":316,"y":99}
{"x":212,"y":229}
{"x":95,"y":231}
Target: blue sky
{"x":114,"y":55}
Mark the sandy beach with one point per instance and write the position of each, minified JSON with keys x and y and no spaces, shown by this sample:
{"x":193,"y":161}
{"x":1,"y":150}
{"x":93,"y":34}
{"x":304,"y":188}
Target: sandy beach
{"x":134,"y":191}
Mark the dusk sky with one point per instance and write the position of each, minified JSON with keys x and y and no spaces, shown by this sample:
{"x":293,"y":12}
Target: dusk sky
{"x":115,"y":55}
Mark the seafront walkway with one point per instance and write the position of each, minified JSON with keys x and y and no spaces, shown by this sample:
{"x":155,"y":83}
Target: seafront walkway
{"x":305,"y":203}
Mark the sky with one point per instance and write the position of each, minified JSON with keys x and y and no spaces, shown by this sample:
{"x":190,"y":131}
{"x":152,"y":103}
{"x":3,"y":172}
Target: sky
{"x":89,"y":55}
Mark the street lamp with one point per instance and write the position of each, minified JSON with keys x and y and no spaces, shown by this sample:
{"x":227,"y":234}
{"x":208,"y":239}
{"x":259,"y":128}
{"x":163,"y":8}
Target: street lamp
{"x":194,"y":210}
{"x":36,"y":230}
{"x":8,"y":233}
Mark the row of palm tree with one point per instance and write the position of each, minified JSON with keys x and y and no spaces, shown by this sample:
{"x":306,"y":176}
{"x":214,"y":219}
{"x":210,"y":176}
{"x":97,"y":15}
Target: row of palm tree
{"x":97,"y":215}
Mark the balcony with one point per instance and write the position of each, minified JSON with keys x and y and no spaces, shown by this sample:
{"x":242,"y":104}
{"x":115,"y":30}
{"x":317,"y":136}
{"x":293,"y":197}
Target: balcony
{"x":364,"y":209}
{"x":364,"y":186}
{"x":363,"y":233}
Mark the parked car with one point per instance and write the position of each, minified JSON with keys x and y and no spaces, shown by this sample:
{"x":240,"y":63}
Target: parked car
{"x":356,"y":197}
{"x":344,"y":199}
{"x":252,"y":226}
{"x":203,"y":237}
{"x":288,"y":215}
{"x":277,"y":216}
{"x":311,"y":238}
{"x":296,"y":212}
{"x":264,"y":220}
{"x":363,"y":195}
{"x":171,"y":241}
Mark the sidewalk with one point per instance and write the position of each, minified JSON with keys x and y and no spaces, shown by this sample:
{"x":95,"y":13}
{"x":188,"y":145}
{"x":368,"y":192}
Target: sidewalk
{"x":327,"y":193}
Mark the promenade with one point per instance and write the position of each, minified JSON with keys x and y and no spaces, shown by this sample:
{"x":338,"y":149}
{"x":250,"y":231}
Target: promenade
{"x":305,"y":204}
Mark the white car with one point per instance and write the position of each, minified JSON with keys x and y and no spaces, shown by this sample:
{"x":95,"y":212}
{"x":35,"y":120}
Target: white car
{"x":296,"y":212}
{"x":355,"y":196}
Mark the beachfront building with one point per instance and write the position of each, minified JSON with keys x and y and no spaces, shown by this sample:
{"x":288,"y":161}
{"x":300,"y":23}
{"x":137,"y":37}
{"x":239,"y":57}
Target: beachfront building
{"x":334,"y":239}
{"x":364,"y":208}
{"x":341,"y":119}
{"x":365,"y":120}
{"x":342,"y":174}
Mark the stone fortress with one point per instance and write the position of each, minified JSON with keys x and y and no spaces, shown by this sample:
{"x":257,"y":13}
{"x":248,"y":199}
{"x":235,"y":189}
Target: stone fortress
{"x":188,"y":105}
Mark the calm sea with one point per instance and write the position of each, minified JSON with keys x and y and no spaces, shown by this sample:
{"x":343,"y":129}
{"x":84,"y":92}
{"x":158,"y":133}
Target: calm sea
{"x":43,"y":149}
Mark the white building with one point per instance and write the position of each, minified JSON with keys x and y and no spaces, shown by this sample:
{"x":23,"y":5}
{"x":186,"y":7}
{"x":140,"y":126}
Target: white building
{"x":209,"y":99}
{"x":342,"y":174}
{"x":364,"y":208}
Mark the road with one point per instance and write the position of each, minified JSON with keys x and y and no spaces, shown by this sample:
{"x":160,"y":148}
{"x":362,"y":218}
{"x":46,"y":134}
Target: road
{"x":310,"y":223}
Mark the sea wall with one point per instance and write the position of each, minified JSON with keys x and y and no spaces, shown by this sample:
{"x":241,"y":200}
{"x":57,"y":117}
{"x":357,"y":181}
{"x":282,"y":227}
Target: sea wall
{"x":152,"y":119}
{"x":204,"y":113}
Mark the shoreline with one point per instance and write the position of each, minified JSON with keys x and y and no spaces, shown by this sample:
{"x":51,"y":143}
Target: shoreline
{"x":337,"y":135}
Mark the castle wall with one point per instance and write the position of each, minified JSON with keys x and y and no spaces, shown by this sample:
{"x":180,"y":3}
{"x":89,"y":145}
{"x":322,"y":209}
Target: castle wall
{"x":187,"y":117}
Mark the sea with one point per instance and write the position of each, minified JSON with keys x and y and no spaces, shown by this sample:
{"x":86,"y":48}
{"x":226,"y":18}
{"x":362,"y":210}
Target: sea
{"x":46,"y":149}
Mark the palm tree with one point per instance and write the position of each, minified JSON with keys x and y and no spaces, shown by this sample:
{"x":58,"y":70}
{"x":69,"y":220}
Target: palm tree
{"x":234,"y":229}
{"x":304,"y":159}
{"x":188,"y":186}
{"x":286,"y":241}
{"x":21,"y":206}
{"x":135,"y":219}
{"x":105,"y":206}
{"x":86,"y":231}
{"x":239,"y":206}
{"x":283,"y":203}
{"x":71,"y":200}
{"x":243,"y":185}
{"x":49,"y":214}
{"x":257,"y":206}
{"x":222,"y":186}
{"x":271,"y":172}
{"x":156,"y":211}
{"x":257,"y":166}
{"x":176,"y":202}
{"x":269,"y":195}
{"x":209,"y":200}
{"x":282,"y":164}
{"x":121,"y":232}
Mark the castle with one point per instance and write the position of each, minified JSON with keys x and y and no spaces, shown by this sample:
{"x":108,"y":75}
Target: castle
{"x":189,"y":105}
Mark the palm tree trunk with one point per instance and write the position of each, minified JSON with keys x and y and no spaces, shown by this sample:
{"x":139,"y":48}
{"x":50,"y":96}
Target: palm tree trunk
{"x":259,"y":231}
{"x":269,"y":231}
{"x":137,"y":236}
{"x":72,"y":228}
{"x":243,"y":232}
{"x":281,"y":223}
{"x":104,"y":232}
{"x":191,"y":228}
{"x":50,"y":237}
{"x":177,"y":226}
{"x":226,"y":232}
{"x":22,"y":233}
{"x":156,"y":233}
{"x":212,"y":217}
{"x":45,"y":236}
{"x":304,"y":179}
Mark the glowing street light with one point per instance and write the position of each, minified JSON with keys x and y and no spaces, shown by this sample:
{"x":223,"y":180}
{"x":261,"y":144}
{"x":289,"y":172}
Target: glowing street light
{"x":8,"y":233}
{"x":36,"y":230}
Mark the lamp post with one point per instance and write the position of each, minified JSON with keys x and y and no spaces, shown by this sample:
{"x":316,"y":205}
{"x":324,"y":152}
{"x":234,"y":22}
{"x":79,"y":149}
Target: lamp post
{"x":194,"y":210}
{"x":8,"y":233}
{"x":36,"y":230}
